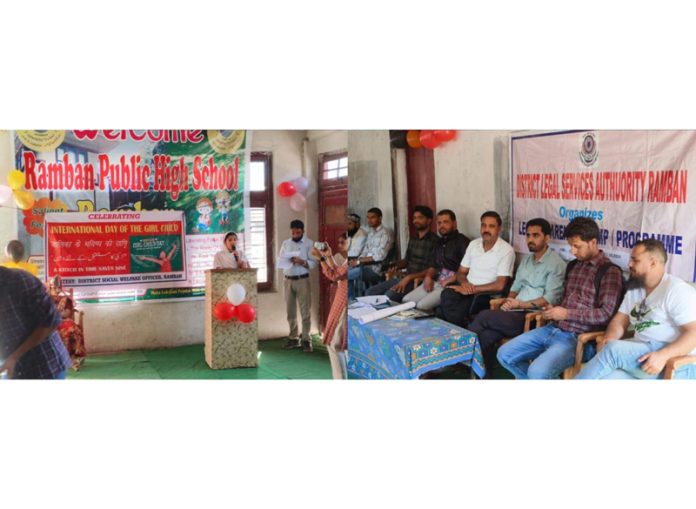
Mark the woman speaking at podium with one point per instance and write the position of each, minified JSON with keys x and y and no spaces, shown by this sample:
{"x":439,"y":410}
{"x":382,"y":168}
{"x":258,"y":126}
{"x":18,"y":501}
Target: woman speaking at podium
{"x":230,"y":257}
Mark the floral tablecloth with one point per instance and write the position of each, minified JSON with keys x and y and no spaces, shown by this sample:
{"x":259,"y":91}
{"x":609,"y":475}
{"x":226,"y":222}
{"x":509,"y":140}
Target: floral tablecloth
{"x":396,"y":348}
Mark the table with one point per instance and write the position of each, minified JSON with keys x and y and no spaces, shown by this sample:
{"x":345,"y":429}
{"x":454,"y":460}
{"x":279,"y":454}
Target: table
{"x":396,"y":348}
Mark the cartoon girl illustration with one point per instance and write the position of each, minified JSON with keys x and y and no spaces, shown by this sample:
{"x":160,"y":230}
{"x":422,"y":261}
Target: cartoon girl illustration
{"x":204,"y":207}
{"x":222,"y":200}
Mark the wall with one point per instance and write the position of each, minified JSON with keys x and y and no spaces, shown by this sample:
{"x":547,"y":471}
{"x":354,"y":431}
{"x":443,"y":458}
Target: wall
{"x":472,"y":175}
{"x":402,"y":221}
{"x":295,"y":153}
{"x":325,"y":142}
{"x":370,"y":174}
{"x":166,"y":324}
{"x":8,"y":216}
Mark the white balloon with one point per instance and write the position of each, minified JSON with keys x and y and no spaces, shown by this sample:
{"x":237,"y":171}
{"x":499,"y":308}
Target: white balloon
{"x":236,"y":294}
{"x":301,"y":184}
{"x":298,"y":202}
{"x":5,"y":194}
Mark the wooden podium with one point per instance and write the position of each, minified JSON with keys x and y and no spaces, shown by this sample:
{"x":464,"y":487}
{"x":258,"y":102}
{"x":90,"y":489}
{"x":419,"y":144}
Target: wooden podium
{"x":231,"y":344}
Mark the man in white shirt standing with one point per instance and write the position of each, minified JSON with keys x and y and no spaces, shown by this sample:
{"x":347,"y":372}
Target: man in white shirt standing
{"x":662,"y":310}
{"x":487,"y":267}
{"x":294,"y":253}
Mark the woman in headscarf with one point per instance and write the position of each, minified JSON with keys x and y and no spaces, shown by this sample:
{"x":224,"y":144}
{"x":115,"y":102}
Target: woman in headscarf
{"x":230,"y":257}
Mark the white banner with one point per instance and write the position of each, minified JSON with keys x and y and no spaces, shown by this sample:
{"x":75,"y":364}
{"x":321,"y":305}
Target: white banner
{"x":634,"y":184}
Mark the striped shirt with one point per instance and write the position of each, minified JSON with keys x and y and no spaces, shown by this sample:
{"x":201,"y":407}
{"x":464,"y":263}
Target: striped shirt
{"x":587,"y":311}
{"x":379,"y":242}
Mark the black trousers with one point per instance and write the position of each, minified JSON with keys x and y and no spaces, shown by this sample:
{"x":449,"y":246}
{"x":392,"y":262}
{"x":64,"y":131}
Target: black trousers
{"x":456,"y":308}
{"x":492,"y":326}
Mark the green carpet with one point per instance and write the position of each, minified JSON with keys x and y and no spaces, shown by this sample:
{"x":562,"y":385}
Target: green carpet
{"x":188,"y":362}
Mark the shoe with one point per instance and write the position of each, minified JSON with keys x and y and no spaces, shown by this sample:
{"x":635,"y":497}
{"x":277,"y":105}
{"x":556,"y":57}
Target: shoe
{"x":307,"y":346}
{"x":291,"y":343}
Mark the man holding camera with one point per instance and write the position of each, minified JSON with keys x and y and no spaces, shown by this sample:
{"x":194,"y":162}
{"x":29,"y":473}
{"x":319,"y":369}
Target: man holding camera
{"x":416,"y":262}
{"x":297,"y":291}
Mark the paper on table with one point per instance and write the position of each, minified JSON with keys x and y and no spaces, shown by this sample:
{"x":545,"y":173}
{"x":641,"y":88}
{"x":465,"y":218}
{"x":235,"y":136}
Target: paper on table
{"x":361,"y":311}
{"x":373,"y":300}
{"x":383,"y":313}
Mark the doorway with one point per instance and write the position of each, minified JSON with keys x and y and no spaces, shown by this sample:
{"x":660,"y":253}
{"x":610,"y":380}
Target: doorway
{"x":333,"y":205}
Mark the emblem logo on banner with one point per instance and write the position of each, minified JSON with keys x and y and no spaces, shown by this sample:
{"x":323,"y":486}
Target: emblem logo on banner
{"x":588,"y":149}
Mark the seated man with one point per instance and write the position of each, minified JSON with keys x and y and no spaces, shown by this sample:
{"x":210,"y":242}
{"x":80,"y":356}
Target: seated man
{"x":486,"y":268}
{"x":14,"y":250}
{"x":449,"y":250}
{"x":662,"y":310}
{"x":593,"y":289}
{"x":356,"y":236}
{"x":417,"y":260}
{"x":538,"y":283}
{"x":380,"y":240}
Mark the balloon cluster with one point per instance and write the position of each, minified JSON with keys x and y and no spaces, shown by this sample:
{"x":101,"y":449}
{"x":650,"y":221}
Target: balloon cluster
{"x":295,"y":190}
{"x":23,"y":199}
{"x":234,"y":306}
{"x":429,"y":138}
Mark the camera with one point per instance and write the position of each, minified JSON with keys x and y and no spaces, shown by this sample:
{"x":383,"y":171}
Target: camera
{"x":321,"y":246}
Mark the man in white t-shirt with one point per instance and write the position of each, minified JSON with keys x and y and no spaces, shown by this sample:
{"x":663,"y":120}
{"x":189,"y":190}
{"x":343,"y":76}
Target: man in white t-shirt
{"x":486,"y":268}
{"x":662,"y":310}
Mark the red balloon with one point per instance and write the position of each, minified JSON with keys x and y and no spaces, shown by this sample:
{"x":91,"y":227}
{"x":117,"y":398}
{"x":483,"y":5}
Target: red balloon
{"x":286,"y":189}
{"x":224,"y":311}
{"x":413,"y":139}
{"x":428,"y":139}
{"x":445,"y":134}
{"x":246,"y":313}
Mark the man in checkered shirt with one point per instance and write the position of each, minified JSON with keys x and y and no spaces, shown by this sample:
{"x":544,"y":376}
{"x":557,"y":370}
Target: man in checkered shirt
{"x":547,"y":351}
{"x":30,"y":347}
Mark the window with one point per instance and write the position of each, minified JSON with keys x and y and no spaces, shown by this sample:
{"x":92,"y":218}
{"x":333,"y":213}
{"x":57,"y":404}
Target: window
{"x":76,"y":155}
{"x":334,"y":166}
{"x":259,"y":238}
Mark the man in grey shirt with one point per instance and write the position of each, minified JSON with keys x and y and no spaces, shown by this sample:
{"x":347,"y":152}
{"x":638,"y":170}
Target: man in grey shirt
{"x":538,"y":283}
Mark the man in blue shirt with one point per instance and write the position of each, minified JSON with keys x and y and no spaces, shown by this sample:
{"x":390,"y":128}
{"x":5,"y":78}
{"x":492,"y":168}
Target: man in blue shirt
{"x":30,"y":347}
{"x":538,"y":283}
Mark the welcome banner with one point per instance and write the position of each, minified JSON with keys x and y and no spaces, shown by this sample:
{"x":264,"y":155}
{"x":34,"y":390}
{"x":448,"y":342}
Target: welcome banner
{"x":201,"y":173}
{"x":634,"y":184}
